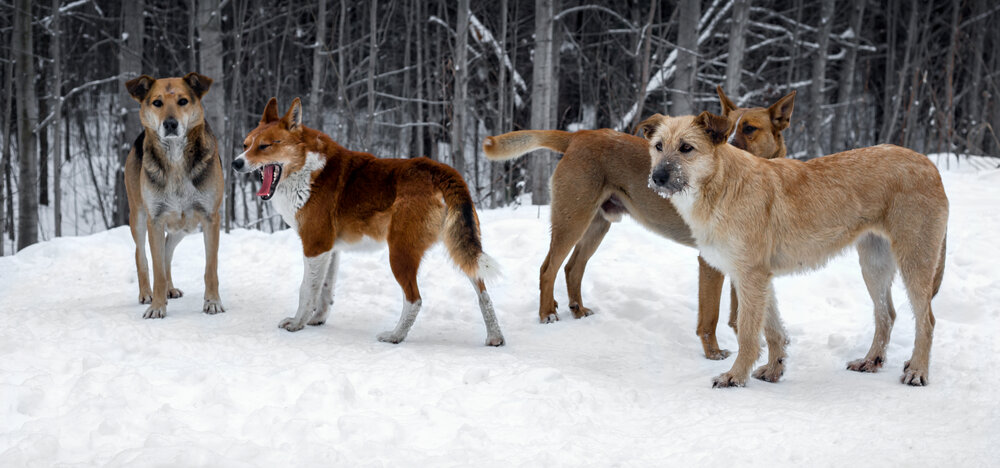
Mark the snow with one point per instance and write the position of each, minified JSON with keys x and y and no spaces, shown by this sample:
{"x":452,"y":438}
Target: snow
{"x":84,"y":380}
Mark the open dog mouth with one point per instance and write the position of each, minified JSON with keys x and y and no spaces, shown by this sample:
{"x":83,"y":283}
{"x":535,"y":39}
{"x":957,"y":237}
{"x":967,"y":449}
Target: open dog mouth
{"x":269,"y":176}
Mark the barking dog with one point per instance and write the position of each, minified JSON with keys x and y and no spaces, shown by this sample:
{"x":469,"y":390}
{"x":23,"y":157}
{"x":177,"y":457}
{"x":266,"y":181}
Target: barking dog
{"x":335,"y":198}
{"x":173,"y":179}
{"x":602,"y":175}
{"x":755,"y":218}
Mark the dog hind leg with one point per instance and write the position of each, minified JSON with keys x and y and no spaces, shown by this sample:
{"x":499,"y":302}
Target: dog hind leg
{"x":578,"y":263}
{"x":918,"y":270}
{"x":493,"y":335}
{"x":878,"y":269}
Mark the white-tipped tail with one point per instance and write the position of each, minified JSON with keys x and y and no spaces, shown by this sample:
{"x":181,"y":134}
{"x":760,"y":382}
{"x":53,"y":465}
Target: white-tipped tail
{"x":489,"y":269}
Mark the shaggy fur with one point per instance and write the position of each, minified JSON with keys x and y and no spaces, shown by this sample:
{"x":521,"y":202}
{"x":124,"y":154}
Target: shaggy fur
{"x":754,"y":219}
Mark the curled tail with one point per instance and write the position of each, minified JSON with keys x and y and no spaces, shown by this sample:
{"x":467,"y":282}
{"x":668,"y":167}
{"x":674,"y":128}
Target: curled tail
{"x":461,"y":226}
{"x":514,"y":144}
{"x":939,"y":274}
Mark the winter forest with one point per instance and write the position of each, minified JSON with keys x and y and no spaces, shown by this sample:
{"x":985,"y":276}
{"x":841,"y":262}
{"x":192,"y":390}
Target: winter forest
{"x":406,"y":78}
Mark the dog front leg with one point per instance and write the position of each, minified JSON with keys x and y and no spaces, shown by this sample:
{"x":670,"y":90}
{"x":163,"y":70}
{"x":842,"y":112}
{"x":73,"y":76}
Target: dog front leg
{"x":157,"y":250}
{"x":710,"y":283}
{"x":326,"y":295}
{"x":210,"y":233}
{"x":774,"y":333}
{"x":752,"y":289}
{"x":314,"y":273}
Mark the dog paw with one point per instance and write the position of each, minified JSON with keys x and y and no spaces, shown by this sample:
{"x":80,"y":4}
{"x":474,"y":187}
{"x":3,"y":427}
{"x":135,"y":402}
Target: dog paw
{"x":155,"y":312}
{"x":213,"y":306}
{"x":174,"y":293}
{"x":145,"y":297}
{"x":914,"y":376}
{"x":727,"y":380}
{"x":866,"y":365}
{"x":290,"y":324}
{"x":550,"y":318}
{"x":718,"y":354}
{"x":315,"y":322}
{"x":579,"y":311}
{"x":391,"y":337}
{"x":770,"y":373}
{"x":495,"y":341}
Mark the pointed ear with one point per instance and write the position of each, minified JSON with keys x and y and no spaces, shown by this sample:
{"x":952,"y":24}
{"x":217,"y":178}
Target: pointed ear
{"x":727,"y":105}
{"x":293,"y":118}
{"x":716,"y":126}
{"x":139,"y":87}
{"x":270,"y":112}
{"x":781,"y":112}
{"x":646,"y":128}
{"x":198,"y":83}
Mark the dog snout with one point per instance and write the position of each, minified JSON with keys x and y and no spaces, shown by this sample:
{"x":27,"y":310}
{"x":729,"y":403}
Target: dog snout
{"x":239,"y":164}
{"x":170,"y":125}
{"x":661,"y":175}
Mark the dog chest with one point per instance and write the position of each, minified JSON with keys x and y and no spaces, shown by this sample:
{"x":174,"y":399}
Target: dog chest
{"x":180,"y":206}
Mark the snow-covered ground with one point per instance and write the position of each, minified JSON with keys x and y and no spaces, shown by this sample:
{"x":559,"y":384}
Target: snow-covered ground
{"x":85,"y":381}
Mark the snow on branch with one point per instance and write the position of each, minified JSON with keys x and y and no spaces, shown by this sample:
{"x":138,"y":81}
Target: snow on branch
{"x":483,"y":35}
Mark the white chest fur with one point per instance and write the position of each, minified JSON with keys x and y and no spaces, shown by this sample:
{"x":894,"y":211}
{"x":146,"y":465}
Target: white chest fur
{"x":717,"y":254}
{"x":293,"y":192}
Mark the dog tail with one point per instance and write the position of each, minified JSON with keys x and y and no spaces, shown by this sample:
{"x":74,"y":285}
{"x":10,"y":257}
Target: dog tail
{"x":514,"y":144}
{"x":461,"y":227}
{"x":939,"y":274}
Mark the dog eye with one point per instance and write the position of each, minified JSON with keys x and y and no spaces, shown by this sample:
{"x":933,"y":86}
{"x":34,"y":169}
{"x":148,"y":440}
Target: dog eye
{"x":749,"y":129}
{"x":245,"y":146}
{"x":158,"y":103}
{"x":182,"y":102}
{"x":686,"y":148}
{"x":262,"y":147}
{"x":659,"y":146}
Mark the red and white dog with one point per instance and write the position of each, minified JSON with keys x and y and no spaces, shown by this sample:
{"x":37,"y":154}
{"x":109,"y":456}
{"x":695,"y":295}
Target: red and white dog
{"x":336,"y":198}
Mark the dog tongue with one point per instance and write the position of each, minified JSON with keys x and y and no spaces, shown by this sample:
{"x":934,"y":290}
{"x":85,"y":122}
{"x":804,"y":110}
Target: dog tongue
{"x":268,"y":180}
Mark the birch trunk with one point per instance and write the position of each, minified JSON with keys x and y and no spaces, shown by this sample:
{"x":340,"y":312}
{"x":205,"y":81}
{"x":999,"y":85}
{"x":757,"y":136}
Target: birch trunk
{"x":685,"y":82}
{"x":129,"y":66}
{"x":55,"y":51}
{"x":27,"y":119}
{"x":817,"y":98}
{"x":737,"y":45}
{"x":845,"y":93}
{"x":541,"y":98}
{"x":461,"y":75}
{"x":315,"y":109}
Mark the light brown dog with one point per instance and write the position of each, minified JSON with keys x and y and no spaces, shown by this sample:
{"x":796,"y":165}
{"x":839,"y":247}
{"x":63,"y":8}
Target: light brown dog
{"x":173,"y":179}
{"x":754,"y":219}
{"x":337,"y":199}
{"x":604,"y":174}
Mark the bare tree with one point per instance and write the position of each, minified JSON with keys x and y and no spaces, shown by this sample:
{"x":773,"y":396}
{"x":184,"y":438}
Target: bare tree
{"x":816,"y":95}
{"x":461,"y":74}
{"x":27,"y":120}
{"x":129,"y":66}
{"x":315,"y":109}
{"x":845,"y":92}
{"x":685,"y":81}
{"x":543,"y":76}
{"x":737,"y":45}
{"x":55,"y":86}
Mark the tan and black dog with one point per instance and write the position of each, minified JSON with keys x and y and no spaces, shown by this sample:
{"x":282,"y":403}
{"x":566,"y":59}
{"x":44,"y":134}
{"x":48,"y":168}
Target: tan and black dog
{"x":755,"y":219}
{"x":174,"y":182}
{"x":337,"y":199}
{"x":602,"y":175}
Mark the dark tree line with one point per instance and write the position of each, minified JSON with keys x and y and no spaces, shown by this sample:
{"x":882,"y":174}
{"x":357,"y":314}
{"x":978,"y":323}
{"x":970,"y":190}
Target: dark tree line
{"x":432,"y":78}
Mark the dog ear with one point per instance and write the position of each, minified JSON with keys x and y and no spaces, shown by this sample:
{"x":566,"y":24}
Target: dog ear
{"x":727,"y":105}
{"x":646,"y":128}
{"x":781,"y":112}
{"x":270,"y":112}
{"x":139,"y":87}
{"x":293,"y":118}
{"x":716,"y":126}
{"x":198,"y":83}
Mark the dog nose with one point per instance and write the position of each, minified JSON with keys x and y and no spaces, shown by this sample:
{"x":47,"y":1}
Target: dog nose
{"x":661,"y":175}
{"x":238,"y":164}
{"x":170,"y":125}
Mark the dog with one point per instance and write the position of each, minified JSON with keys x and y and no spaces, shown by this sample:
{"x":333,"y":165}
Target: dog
{"x":337,"y":199}
{"x":174,"y":183}
{"x":754,"y":219}
{"x":602,"y":175}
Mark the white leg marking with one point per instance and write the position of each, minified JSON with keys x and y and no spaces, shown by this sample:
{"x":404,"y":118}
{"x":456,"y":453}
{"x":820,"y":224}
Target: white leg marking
{"x":314,"y":273}
{"x":326,"y":295}
{"x":494,"y":337}
{"x":406,"y":319}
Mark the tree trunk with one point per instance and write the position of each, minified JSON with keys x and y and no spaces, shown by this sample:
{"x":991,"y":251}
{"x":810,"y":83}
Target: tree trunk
{"x":685,"y":80}
{"x":845,"y":93}
{"x":461,"y":87}
{"x":210,"y":57}
{"x":976,"y":97}
{"x":343,"y":118}
{"x":737,"y":44}
{"x":315,"y":108}
{"x":947,"y":133}
{"x":647,"y":39}
{"x":27,"y":119}
{"x":372,"y":58}
{"x":419,"y":114}
{"x":55,"y":50}
{"x":5,"y":120}
{"x":543,"y":76}
{"x":129,"y":66}
{"x":816,"y":95}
